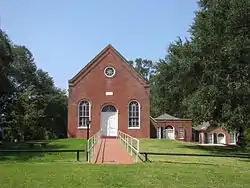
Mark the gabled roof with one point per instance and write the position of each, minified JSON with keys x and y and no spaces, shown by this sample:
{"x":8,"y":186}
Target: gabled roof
{"x":96,"y":58}
{"x":202,"y":126}
{"x":167,"y":117}
{"x":153,"y":121}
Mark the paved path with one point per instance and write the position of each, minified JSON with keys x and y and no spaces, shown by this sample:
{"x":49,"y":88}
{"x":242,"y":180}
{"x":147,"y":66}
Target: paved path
{"x":111,"y":151}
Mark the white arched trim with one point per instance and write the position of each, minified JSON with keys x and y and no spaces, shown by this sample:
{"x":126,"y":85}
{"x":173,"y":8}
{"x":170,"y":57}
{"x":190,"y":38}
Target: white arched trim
{"x":171,"y":128}
{"x":134,"y":115}
{"x":83,"y":113}
{"x":110,"y":107}
{"x":221,"y":140}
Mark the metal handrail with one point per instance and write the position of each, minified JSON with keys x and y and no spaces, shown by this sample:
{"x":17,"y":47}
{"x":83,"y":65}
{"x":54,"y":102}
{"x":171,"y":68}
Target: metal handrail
{"x":127,"y":140}
{"x":91,"y":144}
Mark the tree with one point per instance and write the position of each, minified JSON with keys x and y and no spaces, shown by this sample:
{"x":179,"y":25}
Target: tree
{"x":221,"y":39}
{"x":207,"y":78}
{"x":144,"y":67}
{"x":177,"y":77}
{"x":33,"y":108}
{"x":5,"y":62}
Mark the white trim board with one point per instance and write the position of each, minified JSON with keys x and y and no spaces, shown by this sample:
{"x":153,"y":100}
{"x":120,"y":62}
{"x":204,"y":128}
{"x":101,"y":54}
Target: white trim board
{"x":109,"y":93}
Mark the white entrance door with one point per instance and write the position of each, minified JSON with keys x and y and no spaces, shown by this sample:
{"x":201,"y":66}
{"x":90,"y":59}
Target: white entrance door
{"x":109,"y":121}
{"x":169,"y":133}
{"x":221,"y":138}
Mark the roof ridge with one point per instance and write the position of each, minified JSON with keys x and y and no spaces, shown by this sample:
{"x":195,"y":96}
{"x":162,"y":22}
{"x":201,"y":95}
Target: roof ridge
{"x":109,"y":46}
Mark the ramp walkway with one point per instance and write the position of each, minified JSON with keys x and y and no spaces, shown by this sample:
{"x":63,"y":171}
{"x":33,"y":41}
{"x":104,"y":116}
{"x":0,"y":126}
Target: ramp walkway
{"x":123,"y":149}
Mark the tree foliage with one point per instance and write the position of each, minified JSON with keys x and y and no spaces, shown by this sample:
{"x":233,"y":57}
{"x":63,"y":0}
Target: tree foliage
{"x":5,"y":60}
{"x":207,"y":77}
{"x":144,"y":67}
{"x":31,"y":106}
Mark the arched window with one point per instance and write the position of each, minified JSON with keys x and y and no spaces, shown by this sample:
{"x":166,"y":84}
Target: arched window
{"x":181,"y":132}
{"x":134,"y":115}
{"x":83,"y":113}
{"x":109,"y":108}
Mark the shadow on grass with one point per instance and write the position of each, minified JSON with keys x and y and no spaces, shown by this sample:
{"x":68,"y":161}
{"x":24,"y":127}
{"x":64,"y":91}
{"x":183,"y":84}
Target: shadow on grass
{"x":189,"y":163}
{"x":176,"y":162}
{"x":198,"y":163}
{"x":27,"y":156}
{"x":245,"y":160}
{"x":217,"y":149}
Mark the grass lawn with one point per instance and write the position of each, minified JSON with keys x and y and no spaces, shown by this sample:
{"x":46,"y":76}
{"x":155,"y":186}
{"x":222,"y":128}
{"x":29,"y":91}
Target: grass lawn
{"x":156,"y":145}
{"x":174,"y":146}
{"x":65,"y":144}
{"x":61,"y":170}
{"x":160,"y":175}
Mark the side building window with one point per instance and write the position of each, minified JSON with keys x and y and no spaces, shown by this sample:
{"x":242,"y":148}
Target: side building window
{"x":134,"y":115}
{"x":181,"y":133}
{"x":83,"y":114}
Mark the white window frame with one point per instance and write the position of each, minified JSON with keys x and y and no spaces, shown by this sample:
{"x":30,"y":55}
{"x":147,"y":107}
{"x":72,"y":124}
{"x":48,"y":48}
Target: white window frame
{"x":235,"y":137}
{"x":110,"y":67}
{"x":78,"y":116}
{"x":184,"y":134}
{"x":139,"y":114}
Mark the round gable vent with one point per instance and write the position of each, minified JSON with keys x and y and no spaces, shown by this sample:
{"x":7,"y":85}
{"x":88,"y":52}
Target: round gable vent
{"x":109,"y":72}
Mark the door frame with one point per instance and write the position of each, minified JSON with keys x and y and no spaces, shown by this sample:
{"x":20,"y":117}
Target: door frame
{"x":111,"y":114}
{"x":224,"y":138}
{"x":173,"y":133}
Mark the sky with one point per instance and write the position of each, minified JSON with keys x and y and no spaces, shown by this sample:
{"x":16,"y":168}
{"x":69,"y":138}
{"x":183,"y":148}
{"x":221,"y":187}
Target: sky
{"x":65,"y":35}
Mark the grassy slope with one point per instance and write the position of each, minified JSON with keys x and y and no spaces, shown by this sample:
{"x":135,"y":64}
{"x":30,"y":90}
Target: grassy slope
{"x":156,"y":145}
{"x":158,"y":175}
{"x":185,"y":147}
{"x":60,"y":144}
{"x":39,"y":171}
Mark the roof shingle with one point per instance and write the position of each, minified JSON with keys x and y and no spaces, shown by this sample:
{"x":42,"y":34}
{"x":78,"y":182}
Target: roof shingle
{"x":166,"y":117}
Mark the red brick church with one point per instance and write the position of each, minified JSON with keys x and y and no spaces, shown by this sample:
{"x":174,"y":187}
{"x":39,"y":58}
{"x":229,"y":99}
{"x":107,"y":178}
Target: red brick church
{"x":112,"y":95}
